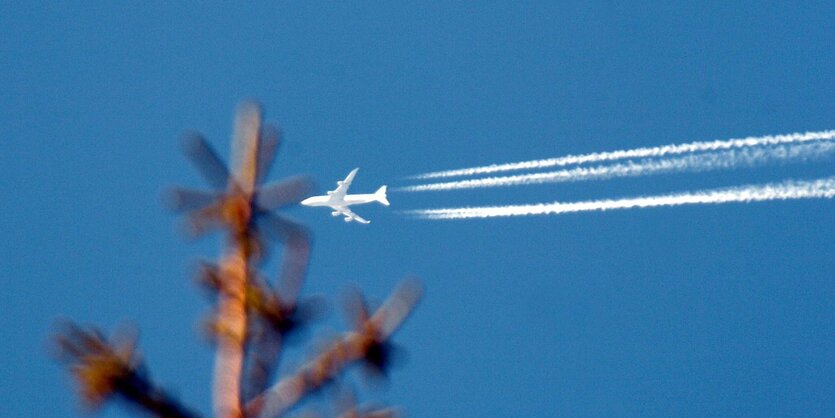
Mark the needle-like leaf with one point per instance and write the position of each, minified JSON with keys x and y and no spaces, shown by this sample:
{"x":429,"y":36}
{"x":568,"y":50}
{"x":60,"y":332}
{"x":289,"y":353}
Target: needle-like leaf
{"x":204,"y":158}
{"x":180,"y":199}
{"x":270,"y":140}
{"x":289,"y":191}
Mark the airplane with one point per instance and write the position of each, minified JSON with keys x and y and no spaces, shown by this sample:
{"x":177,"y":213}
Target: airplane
{"x":339,"y":199}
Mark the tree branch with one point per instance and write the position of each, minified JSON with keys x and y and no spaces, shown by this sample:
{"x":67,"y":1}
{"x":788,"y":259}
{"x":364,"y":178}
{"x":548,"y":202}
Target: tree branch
{"x":352,"y":347}
{"x":104,"y":370}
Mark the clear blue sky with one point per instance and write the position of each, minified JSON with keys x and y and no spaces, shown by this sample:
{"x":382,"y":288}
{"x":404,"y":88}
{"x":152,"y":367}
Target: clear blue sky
{"x":689,"y":311}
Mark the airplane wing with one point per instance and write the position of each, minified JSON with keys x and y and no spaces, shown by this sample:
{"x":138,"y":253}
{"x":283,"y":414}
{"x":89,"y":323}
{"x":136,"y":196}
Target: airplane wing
{"x":351,"y":216}
{"x":342,"y":186}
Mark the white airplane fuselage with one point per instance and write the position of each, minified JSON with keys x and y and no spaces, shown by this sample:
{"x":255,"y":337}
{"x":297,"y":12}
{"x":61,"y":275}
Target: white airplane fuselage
{"x":339,"y":199}
{"x":351,"y":199}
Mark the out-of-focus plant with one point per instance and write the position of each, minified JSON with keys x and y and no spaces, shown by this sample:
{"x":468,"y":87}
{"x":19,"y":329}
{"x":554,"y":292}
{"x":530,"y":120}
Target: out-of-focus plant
{"x":253,"y":317}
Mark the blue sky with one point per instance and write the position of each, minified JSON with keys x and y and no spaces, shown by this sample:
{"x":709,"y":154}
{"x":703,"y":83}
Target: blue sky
{"x":688,"y":311}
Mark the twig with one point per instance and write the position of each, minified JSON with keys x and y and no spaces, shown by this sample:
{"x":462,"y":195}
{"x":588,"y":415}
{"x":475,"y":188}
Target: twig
{"x":278,"y":313}
{"x":103,"y":371}
{"x":352,"y":347}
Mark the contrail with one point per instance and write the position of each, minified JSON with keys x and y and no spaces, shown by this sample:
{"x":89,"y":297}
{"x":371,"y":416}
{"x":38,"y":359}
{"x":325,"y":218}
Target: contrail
{"x":726,"y":159}
{"x":659,"y":151}
{"x":791,"y":189}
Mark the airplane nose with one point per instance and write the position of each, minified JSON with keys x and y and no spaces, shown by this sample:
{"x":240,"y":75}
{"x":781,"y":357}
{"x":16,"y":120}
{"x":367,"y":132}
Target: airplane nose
{"x":306,"y":202}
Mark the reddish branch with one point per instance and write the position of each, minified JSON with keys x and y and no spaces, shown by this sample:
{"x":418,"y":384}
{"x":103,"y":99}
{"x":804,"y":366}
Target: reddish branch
{"x":237,"y":212}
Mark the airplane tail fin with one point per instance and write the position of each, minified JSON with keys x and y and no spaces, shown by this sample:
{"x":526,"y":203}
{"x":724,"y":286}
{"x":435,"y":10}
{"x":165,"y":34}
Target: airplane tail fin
{"x":380,"y":195}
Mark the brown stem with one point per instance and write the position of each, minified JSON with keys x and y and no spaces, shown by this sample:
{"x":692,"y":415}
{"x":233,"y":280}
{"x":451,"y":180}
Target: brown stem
{"x":231,"y":319}
{"x":237,"y":212}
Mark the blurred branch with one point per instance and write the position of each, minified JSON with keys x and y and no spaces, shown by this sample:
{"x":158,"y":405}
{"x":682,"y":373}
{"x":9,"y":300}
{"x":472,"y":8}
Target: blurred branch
{"x":231,"y":337}
{"x":277,"y":312}
{"x":235,"y":209}
{"x":346,"y":407}
{"x":370,"y":413}
{"x":252,"y":318}
{"x":104,"y":370}
{"x":361,"y":345}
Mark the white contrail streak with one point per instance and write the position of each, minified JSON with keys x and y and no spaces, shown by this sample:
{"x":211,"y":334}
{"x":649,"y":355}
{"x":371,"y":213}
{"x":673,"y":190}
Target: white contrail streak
{"x":791,"y":189}
{"x":659,"y":151}
{"x":726,"y":159}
